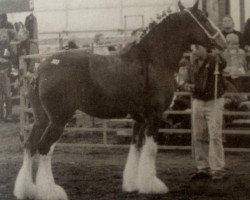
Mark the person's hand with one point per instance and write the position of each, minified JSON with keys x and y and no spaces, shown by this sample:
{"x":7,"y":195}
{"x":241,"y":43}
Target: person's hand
{"x":216,"y":52}
{"x":189,"y":87}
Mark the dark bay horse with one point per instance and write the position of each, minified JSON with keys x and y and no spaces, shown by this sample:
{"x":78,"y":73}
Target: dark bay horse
{"x":139,"y":82}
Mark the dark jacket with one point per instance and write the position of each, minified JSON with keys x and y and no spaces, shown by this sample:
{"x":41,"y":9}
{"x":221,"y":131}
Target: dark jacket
{"x":246,"y":33}
{"x":203,"y":78}
{"x":31,"y":26}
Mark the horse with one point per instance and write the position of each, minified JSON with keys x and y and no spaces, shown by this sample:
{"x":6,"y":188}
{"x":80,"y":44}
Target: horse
{"x":139,"y":82}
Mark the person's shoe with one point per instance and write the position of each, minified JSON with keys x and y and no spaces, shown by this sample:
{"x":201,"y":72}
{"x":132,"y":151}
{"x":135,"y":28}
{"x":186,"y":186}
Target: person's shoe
{"x":220,"y":175}
{"x":200,"y":175}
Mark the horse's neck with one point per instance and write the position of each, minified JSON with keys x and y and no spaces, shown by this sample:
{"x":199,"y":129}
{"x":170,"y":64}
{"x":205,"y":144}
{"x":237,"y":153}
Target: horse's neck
{"x":165,"y":48}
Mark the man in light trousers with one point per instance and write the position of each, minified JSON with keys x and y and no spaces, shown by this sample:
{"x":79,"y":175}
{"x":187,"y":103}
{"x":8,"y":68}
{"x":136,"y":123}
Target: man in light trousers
{"x":207,"y":114}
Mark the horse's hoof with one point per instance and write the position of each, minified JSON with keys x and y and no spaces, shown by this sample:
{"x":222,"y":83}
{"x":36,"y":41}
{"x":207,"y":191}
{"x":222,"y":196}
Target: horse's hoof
{"x":24,"y":189}
{"x":154,"y":186}
{"x":129,"y":187}
{"x":49,"y":192}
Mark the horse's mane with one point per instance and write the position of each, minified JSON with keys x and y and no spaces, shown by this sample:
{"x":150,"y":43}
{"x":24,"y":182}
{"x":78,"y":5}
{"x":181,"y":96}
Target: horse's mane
{"x":138,"y":50}
{"x":166,"y":21}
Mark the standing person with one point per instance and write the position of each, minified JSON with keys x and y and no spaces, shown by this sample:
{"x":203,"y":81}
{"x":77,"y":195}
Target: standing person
{"x":207,"y":117}
{"x":99,"y":41}
{"x":246,"y":35}
{"x":7,"y":33}
{"x":228,"y":28}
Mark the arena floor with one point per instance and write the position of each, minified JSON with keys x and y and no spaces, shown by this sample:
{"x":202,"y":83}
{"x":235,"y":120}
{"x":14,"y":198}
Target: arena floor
{"x":96,"y":173}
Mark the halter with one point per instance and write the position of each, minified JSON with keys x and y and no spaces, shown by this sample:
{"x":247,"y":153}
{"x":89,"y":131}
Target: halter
{"x":212,"y":37}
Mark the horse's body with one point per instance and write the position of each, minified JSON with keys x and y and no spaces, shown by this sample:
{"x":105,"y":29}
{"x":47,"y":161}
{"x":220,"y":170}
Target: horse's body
{"x":139,"y":82}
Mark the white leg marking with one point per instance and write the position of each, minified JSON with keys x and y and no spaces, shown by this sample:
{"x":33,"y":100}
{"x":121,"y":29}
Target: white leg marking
{"x":46,"y":187}
{"x":131,"y":170}
{"x":24,"y":186}
{"x":147,"y":180}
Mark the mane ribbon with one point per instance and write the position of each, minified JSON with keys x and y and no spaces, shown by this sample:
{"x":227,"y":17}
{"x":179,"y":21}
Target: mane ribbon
{"x":218,"y":32}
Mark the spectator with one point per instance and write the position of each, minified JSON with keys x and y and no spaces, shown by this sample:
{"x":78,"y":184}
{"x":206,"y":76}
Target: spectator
{"x":7,"y":33}
{"x":235,"y":57}
{"x":228,"y":27}
{"x":99,"y":41}
{"x":71,"y":43}
{"x":236,"y":64}
{"x":246,"y":35}
{"x":207,"y":115}
{"x":23,"y":38}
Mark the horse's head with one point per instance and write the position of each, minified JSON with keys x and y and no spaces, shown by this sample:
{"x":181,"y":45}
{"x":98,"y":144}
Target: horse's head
{"x":200,"y":29}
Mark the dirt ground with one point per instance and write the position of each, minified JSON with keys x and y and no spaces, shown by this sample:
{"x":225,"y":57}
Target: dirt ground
{"x":96,"y":173}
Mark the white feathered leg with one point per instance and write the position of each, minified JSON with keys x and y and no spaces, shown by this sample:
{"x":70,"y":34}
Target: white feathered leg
{"x":130,"y":172}
{"x":46,"y":187}
{"x":147,"y":181}
{"x":24,"y":186}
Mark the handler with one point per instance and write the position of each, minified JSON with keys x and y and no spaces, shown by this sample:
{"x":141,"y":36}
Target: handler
{"x":207,"y":114}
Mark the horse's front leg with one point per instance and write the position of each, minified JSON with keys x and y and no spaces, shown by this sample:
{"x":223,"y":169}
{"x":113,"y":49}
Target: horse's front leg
{"x":130,"y":173}
{"x":148,"y":182}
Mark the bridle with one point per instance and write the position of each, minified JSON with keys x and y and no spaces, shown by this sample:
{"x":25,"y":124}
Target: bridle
{"x":210,"y":36}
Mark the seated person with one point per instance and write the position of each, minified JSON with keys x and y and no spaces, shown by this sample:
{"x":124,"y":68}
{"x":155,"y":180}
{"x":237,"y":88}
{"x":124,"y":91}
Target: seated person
{"x":236,"y":61}
{"x":235,"y":56}
{"x":228,"y":28}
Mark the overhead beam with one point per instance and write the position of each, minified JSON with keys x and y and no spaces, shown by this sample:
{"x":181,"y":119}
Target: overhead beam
{"x":12,"y":6}
{"x":163,"y":5}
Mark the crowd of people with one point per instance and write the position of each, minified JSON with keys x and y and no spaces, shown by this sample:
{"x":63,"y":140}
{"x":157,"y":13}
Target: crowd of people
{"x":19,"y":33}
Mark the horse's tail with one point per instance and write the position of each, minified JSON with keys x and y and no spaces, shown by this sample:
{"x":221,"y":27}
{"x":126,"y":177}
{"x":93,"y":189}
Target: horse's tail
{"x":33,"y":87}
{"x":40,"y":115}
{"x":34,"y":99}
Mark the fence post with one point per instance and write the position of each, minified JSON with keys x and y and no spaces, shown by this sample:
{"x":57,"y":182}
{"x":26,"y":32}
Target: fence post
{"x":192,"y":127}
{"x":60,"y":39}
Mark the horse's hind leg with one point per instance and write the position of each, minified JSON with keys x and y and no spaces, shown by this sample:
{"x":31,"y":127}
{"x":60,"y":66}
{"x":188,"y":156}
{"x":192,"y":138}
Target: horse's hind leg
{"x":24,"y":186}
{"x":47,"y":189}
{"x":130,"y":172}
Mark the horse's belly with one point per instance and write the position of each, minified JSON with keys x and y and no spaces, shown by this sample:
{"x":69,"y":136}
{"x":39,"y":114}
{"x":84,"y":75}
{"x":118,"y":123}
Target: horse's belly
{"x":105,"y":110}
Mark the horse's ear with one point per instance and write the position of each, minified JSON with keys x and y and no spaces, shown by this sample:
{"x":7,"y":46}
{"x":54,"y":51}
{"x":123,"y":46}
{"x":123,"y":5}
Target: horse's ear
{"x":196,"y":5}
{"x":181,"y":6}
